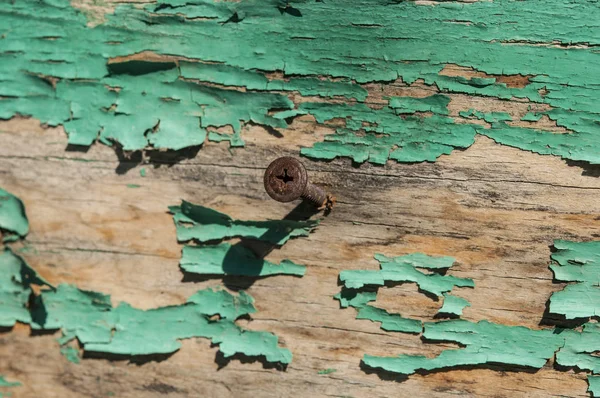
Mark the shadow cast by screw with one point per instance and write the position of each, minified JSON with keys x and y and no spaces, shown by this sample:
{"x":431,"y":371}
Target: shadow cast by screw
{"x":259,"y":248}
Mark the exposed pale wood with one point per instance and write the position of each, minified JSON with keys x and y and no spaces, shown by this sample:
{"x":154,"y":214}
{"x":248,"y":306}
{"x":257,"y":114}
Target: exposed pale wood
{"x":495,"y":209}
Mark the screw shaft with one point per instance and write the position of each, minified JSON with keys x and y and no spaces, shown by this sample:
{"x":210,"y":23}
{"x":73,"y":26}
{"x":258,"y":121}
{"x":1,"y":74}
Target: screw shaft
{"x":315,"y":195}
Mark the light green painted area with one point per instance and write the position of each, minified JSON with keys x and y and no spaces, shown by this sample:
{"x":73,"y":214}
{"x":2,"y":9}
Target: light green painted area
{"x":16,"y":278}
{"x":453,"y":305}
{"x":71,"y":354}
{"x":203,"y":224}
{"x":594,"y":385}
{"x":325,"y":49}
{"x":580,"y":348}
{"x":434,"y":103}
{"x":576,"y":262}
{"x":307,"y":86}
{"x":490,"y":117}
{"x":125,"y":330}
{"x":389,"y":322}
{"x":13,"y":220}
{"x":411,"y":138}
{"x":326,"y":371}
{"x":398,"y":269}
{"x":6,"y":383}
{"x":226,"y":259}
{"x":406,"y":269}
{"x":485,"y":342}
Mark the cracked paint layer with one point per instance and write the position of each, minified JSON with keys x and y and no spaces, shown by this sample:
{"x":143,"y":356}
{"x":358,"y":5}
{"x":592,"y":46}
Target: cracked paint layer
{"x":256,"y":56}
{"x":576,"y":262}
{"x":486,"y":342}
{"x":406,"y":269}
{"x":125,"y":330}
{"x":226,"y":259}
{"x":453,"y":305}
{"x":213,"y":257}
{"x":202,"y":224}
{"x":594,"y":385}
{"x":7,"y":384}
{"x":16,"y":278}
{"x":13,"y":220}
{"x":399,"y":269}
{"x":71,"y":354}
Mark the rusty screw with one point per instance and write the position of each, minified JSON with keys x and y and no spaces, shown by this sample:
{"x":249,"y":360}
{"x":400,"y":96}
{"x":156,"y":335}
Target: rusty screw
{"x":286,"y":180}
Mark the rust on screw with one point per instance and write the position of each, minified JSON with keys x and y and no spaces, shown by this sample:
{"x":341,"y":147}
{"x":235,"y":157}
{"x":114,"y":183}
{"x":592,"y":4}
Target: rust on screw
{"x":286,"y":180}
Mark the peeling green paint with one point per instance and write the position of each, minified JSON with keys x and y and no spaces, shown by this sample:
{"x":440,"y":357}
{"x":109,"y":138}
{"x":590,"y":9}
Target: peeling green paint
{"x":226,"y":259}
{"x":594,"y":385}
{"x":213,"y":257}
{"x":406,"y":269}
{"x":99,"y":327}
{"x":125,"y":330}
{"x":453,"y":305}
{"x":203,"y":224}
{"x":324,"y":49}
{"x":13,"y":220}
{"x":399,"y":269}
{"x":485,"y":342}
{"x":576,"y":262}
{"x":71,"y":354}
{"x":6,"y":383}
{"x":490,"y":117}
{"x":16,"y":278}
{"x":253,"y":80}
{"x":326,"y":371}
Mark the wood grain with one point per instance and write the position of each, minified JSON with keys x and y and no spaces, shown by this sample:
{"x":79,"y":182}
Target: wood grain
{"x":495,"y":209}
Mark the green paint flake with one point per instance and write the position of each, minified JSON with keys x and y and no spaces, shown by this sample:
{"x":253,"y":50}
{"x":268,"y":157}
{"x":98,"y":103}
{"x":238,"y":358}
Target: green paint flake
{"x":354,"y":298}
{"x":576,"y":262}
{"x":532,"y":117}
{"x":398,"y":269}
{"x":252,"y":80}
{"x":453,"y":305}
{"x":490,"y":117}
{"x":328,"y":52}
{"x":389,"y":322}
{"x":142,"y":172}
{"x":71,"y":354}
{"x":12,"y":216}
{"x":594,"y":385}
{"x":580,"y":348}
{"x":436,"y":104}
{"x":326,"y":371}
{"x":133,"y":186}
{"x":405,"y":269}
{"x":16,"y":278}
{"x":203,"y":224}
{"x":484,"y":342}
{"x":6,"y":383}
{"x":226,"y":259}
{"x":388,"y":136}
{"x":125,"y":330}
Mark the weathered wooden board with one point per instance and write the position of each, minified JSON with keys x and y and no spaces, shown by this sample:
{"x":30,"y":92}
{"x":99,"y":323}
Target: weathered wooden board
{"x":495,"y":209}
{"x":99,"y":214}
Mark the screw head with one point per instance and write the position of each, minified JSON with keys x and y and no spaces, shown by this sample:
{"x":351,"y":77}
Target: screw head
{"x":285,"y":179}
